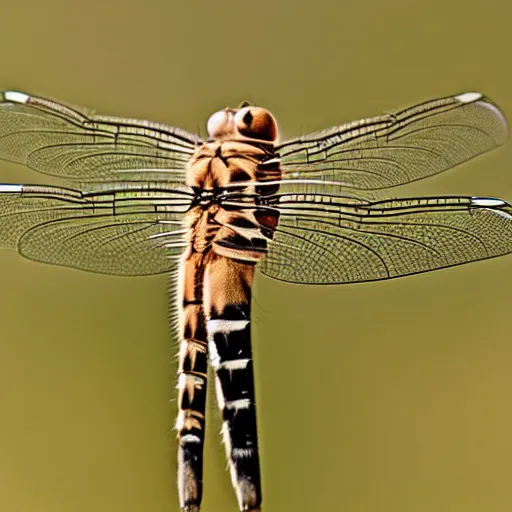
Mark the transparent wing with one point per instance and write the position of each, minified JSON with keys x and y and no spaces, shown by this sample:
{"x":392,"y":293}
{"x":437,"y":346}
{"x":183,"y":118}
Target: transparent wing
{"x":322,"y":239}
{"x":61,"y":141}
{"x":126,"y":231}
{"x":398,"y":147}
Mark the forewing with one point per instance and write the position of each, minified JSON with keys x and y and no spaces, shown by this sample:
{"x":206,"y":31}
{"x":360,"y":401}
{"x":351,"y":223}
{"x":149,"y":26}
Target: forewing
{"x":397,"y":147}
{"x":328,"y":240}
{"x":126,"y":231}
{"x":77,"y":145}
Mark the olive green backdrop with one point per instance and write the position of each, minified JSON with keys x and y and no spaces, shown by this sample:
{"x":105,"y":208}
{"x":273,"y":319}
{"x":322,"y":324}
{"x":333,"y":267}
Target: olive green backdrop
{"x":394,"y":396}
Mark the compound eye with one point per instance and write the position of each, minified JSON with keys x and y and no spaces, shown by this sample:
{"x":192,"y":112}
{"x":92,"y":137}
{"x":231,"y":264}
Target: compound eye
{"x":220,"y":124}
{"x":256,"y":123}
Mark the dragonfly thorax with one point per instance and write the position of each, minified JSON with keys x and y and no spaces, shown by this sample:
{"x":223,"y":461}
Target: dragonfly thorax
{"x":223,"y":164}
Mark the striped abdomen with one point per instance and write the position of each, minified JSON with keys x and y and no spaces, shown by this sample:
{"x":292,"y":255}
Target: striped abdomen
{"x":192,"y":380}
{"x":227,"y":295}
{"x":216,"y":319}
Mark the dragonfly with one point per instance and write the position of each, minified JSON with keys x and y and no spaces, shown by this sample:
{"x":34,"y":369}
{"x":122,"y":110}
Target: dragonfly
{"x":139,"y":198}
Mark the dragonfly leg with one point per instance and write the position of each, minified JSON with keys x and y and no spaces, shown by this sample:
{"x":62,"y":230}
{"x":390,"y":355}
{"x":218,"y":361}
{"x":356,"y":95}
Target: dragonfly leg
{"x":192,"y":380}
{"x":227,"y":295}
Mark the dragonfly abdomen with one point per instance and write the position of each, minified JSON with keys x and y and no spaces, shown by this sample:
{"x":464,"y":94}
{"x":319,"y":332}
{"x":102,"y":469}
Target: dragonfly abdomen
{"x":227,"y":295}
{"x":192,"y":381}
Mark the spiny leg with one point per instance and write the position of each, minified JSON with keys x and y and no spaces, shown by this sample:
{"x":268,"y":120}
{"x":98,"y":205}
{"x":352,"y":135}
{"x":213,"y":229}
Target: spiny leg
{"x":192,"y":383}
{"x":227,"y":295}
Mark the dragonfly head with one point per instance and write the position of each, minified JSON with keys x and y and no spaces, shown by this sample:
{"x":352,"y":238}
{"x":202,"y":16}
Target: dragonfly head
{"x":247,"y":122}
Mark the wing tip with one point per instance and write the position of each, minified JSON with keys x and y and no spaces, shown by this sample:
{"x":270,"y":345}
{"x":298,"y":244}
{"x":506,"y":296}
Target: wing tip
{"x":469,"y":97}
{"x":484,"y":102}
{"x":10,"y":188}
{"x":488,"y":202}
{"x":495,"y":205}
{"x":15,"y":97}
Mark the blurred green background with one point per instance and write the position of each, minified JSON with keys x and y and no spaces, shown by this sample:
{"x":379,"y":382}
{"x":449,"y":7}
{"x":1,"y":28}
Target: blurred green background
{"x":392,"y":396}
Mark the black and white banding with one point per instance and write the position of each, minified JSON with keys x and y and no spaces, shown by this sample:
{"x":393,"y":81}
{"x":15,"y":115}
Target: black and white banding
{"x":229,"y":347}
